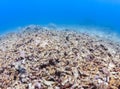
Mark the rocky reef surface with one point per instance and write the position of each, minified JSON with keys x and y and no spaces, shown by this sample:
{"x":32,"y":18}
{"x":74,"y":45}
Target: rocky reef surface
{"x":39,"y":58}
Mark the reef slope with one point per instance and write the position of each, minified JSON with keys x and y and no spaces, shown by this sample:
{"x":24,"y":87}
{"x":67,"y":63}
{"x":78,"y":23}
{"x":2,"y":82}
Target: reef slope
{"x":39,"y":58}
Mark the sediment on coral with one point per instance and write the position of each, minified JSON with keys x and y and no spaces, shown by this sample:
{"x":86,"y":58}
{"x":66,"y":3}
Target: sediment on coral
{"x":39,"y":58}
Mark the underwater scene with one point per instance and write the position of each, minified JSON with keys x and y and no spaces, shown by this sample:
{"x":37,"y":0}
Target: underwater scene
{"x":59,"y":44}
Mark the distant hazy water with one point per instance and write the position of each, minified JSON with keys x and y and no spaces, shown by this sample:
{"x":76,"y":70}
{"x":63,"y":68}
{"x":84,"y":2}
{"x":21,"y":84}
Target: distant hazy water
{"x":102,"y":13}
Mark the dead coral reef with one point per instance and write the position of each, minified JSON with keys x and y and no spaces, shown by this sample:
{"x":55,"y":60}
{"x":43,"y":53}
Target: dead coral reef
{"x":38,"y":58}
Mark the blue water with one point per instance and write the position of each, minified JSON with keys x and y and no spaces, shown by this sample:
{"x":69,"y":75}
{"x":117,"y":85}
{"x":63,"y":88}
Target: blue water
{"x":102,"y":13}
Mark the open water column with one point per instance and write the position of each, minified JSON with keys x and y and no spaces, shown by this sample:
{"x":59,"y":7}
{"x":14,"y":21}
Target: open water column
{"x":59,"y":44}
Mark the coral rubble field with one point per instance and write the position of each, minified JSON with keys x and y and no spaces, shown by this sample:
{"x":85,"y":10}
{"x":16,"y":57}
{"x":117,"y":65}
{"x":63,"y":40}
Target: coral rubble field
{"x":39,"y":58}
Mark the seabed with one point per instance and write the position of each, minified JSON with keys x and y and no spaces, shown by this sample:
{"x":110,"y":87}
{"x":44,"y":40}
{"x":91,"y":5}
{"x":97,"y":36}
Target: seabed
{"x":45,"y":58}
